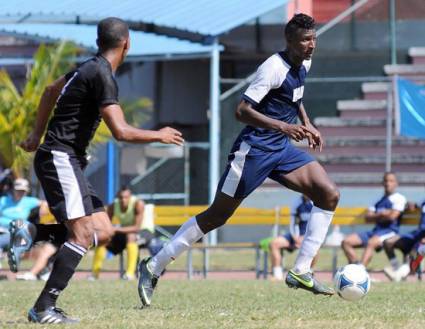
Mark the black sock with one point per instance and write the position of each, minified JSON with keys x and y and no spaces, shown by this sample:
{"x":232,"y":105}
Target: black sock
{"x":67,"y":260}
{"x":55,"y":233}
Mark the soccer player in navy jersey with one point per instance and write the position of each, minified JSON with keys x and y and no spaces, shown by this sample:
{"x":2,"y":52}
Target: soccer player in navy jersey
{"x":407,"y":243}
{"x":83,"y":97}
{"x":270,"y":108}
{"x":385,"y":214}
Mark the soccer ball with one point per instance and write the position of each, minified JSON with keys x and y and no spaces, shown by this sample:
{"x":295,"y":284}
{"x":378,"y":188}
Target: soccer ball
{"x":352,"y":282}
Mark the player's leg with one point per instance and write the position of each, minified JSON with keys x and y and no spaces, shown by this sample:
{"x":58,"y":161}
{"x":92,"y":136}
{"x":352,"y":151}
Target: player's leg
{"x":248,"y":167}
{"x":276,"y":246}
{"x":312,"y":180}
{"x":389,"y":247}
{"x":45,"y":251}
{"x":66,"y":190}
{"x":194,"y":229}
{"x":132,"y":255}
{"x":350,"y":243}
{"x":374,"y":243}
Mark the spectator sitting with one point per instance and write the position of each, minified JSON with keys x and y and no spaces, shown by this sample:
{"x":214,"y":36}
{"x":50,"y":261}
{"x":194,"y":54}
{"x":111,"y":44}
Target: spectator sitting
{"x":43,"y":252}
{"x":126,"y":214}
{"x":386,"y":214}
{"x":15,"y":206}
{"x":300,"y":214}
{"x":406,"y":243}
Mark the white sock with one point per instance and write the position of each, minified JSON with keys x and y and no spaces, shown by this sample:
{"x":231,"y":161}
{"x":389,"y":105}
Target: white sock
{"x":394,"y":263}
{"x":187,"y":235}
{"x":278,"y":272}
{"x":317,"y":228}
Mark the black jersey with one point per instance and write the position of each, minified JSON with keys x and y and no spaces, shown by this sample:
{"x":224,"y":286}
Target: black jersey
{"x":76,"y":116}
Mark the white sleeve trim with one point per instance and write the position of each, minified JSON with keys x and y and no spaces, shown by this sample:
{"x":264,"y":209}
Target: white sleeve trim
{"x":398,"y":201}
{"x":270,"y":75}
{"x":307,"y":64}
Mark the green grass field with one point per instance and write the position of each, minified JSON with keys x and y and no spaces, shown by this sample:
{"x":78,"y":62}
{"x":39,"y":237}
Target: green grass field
{"x":219,"y":304}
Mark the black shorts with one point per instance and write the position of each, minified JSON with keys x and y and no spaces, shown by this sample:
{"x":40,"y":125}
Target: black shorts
{"x":65,"y":187}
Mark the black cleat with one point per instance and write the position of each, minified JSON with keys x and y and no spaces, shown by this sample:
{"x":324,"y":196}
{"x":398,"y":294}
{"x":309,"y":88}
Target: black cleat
{"x":51,"y":315}
{"x":147,"y":282}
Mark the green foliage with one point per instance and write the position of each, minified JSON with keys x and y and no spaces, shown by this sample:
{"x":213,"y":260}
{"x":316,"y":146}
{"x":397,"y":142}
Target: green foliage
{"x":18,"y":109}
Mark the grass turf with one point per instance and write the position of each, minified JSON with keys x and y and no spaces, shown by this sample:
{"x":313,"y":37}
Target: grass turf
{"x":219,"y":304}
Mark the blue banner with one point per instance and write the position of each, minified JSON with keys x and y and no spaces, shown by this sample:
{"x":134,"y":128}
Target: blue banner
{"x":411,"y":107}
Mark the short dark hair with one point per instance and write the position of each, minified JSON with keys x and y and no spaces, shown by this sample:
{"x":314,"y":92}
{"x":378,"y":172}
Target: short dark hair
{"x":124,"y":188}
{"x":111,"y":32}
{"x":299,"y":21}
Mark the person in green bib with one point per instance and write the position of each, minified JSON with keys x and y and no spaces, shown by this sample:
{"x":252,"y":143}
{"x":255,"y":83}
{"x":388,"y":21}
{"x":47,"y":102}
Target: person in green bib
{"x":126,"y":214}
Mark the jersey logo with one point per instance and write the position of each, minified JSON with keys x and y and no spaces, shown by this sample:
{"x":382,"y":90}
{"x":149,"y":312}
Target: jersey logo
{"x":298,"y":93}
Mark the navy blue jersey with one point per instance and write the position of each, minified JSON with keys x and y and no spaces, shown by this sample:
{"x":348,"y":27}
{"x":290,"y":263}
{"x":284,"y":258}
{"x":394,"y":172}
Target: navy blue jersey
{"x":300,"y":214}
{"x":394,"y":201}
{"x":276,"y":92}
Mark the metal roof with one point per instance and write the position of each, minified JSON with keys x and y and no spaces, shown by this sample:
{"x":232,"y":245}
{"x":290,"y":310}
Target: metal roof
{"x":206,"y":17}
{"x":142,"y":44}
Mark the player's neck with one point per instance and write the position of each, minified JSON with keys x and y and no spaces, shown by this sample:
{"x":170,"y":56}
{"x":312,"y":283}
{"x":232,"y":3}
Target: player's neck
{"x":292,"y":58}
{"x":113,"y":58}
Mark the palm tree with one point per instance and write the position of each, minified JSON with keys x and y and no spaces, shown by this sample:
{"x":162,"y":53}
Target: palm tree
{"x":18,"y":109}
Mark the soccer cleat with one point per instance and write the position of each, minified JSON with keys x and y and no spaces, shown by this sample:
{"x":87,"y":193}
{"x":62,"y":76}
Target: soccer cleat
{"x":20,"y":242}
{"x":307,"y":282}
{"x":147,"y":282}
{"x":51,"y":315}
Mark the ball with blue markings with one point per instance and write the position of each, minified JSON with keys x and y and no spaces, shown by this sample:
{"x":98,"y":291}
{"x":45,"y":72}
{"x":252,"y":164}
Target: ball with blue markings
{"x":352,"y":282}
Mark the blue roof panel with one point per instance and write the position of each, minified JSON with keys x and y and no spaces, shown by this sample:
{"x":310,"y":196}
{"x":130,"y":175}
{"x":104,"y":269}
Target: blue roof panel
{"x":207,"y":17}
{"x":142,"y":44}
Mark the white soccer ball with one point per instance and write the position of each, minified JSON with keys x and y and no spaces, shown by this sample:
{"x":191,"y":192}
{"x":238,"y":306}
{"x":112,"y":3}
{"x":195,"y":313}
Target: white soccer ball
{"x":352,"y":282}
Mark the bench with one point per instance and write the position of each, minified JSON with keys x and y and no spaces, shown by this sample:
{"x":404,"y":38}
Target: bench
{"x":344,"y":216}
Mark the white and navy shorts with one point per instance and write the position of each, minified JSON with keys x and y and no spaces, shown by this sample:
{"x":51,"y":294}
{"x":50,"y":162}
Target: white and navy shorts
{"x":65,"y":187}
{"x":248,"y":167}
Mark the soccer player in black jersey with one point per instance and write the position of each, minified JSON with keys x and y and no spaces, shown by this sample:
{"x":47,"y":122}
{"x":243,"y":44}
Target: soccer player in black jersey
{"x":83,"y":97}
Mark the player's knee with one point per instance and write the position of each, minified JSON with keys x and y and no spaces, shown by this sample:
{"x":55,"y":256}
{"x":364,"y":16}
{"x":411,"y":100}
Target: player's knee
{"x":83,"y":237}
{"x":332,"y":196}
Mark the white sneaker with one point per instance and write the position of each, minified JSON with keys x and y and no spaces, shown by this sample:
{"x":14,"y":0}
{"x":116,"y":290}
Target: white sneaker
{"x":26,"y":276}
{"x":402,"y":272}
{"x":91,"y":277}
{"x":45,"y":276}
{"x":390,"y":273}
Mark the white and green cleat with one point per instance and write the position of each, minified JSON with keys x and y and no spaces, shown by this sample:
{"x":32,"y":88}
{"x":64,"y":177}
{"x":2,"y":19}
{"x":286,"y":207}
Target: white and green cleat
{"x":147,"y":282}
{"x":307,"y":282}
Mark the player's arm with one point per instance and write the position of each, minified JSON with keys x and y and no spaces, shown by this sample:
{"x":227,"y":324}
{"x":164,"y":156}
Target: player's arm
{"x":247,"y":114}
{"x":138,"y":218}
{"x":114,"y":118}
{"x":314,"y":137}
{"x":388,"y":215}
{"x":45,"y":107}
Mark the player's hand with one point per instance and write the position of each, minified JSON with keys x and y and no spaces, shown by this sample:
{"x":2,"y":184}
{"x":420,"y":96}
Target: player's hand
{"x":314,"y":137}
{"x":31,"y":143}
{"x":169,"y":135}
{"x":294,"y":131}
